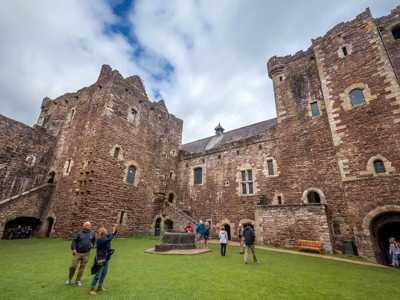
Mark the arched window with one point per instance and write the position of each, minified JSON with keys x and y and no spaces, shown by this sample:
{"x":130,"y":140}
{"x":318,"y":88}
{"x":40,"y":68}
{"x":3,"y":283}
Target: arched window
{"x":379,"y":166}
{"x":357,"y":97}
{"x":270,"y":167}
{"x":396,"y":32}
{"x":313,"y":197}
{"x":130,"y":178}
{"x":171,"y":197}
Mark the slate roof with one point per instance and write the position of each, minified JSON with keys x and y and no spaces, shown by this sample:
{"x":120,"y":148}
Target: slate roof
{"x":230,"y":136}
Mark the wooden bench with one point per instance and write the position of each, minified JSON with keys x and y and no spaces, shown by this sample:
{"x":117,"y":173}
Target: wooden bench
{"x":310,"y":246}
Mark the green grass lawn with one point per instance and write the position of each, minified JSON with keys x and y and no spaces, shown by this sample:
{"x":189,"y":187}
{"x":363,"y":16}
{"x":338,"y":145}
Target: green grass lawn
{"x":37,"y":269}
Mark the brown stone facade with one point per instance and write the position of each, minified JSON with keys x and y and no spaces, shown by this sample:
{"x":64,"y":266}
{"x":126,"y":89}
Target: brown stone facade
{"x":327,"y":168}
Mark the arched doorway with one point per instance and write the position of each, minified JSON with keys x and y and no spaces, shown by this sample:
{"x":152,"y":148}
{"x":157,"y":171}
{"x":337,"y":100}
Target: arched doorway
{"x":20,"y":228}
{"x":50,"y":223}
{"x":227,"y":228}
{"x":168,"y":225}
{"x":157,"y":227}
{"x":382,"y":228}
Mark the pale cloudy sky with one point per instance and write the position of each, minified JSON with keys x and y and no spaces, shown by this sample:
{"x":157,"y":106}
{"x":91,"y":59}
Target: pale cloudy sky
{"x":206,"y":59}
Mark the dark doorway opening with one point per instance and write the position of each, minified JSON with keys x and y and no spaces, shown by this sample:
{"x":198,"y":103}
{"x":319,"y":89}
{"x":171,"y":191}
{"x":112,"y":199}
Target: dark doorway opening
{"x":21,"y":228}
{"x":51,"y":178}
{"x":157,"y":227}
{"x":384,"y":227}
{"x":227,"y":228}
{"x":50,"y":223}
{"x":313,"y":197}
{"x":171,"y":198}
{"x":168,"y":225}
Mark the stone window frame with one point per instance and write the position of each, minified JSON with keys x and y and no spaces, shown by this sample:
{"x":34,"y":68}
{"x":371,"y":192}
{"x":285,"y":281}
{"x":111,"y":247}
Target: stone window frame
{"x":349,"y":50}
{"x":346,"y":100}
{"x":122,"y":217}
{"x":137,"y":174}
{"x":68,"y":166}
{"x":135,"y":120}
{"x":389,"y":169}
{"x":120,"y":154}
{"x":275,"y":199}
{"x":275,"y":165}
{"x":239,"y":190}
{"x":202,"y":167}
{"x":321,"y":194}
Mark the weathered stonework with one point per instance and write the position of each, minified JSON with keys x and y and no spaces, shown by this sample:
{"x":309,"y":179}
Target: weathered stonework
{"x":306,"y":174}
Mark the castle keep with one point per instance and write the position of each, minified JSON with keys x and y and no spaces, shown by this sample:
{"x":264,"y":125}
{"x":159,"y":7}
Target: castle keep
{"x":327,"y":168}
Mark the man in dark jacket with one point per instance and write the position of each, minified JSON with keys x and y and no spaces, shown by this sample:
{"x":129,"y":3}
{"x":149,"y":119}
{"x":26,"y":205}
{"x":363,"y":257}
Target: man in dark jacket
{"x":80,"y":246}
{"x":249,"y":238}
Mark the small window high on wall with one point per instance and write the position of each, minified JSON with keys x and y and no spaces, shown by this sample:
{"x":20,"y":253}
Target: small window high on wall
{"x":130,"y":178}
{"x":198,"y":175}
{"x":313,"y":197}
{"x":357,"y":97}
{"x":247,"y":182}
{"x":117,"y":150}
{"x":379,"y":166}
{"x":314,"y":109}
{"x":270,"y":167}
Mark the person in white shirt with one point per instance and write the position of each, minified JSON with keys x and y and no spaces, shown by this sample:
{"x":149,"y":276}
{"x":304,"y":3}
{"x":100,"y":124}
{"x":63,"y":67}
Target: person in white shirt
{"x":223,"y":240}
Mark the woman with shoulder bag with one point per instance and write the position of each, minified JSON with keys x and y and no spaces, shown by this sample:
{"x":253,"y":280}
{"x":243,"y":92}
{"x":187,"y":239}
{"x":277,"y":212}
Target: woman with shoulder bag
{"x":103,"y":255}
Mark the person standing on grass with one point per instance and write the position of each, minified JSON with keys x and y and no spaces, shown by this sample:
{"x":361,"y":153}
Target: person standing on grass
{"x":394,"y":252}
{"x":249,"y":238}
{"x":200,"y":229}
{"x":102,"y":259}
{"x":206,"y":234}
{"x":81,"y":245}
{"x":240,"y":235}
{"x":223,"y":240}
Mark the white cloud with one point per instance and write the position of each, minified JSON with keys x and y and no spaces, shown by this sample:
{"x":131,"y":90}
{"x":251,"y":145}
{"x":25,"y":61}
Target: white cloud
{"x":218,"y":50}
{"x":48,"y":48}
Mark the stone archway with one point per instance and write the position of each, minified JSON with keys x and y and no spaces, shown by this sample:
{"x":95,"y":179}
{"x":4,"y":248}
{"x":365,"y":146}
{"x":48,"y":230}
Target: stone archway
{"x":157,"y":227}
{"x":378,"y":226}
{"x":21,"y":228}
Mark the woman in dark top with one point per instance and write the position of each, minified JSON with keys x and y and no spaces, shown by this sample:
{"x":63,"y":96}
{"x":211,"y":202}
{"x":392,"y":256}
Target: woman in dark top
{"x":103,"y":254}
{"x":206,"y":234}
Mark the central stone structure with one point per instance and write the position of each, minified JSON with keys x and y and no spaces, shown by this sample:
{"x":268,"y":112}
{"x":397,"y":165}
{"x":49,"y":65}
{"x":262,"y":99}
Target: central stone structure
{"x":176,"y":241}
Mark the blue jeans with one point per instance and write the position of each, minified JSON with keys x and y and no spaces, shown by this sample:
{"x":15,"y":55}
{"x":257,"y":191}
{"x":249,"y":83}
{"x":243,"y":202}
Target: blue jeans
{"x":100,"y":276}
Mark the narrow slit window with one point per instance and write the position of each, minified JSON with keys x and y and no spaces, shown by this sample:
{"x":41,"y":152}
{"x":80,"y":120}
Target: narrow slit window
{"x":117,"y":150}
{"x":130,"y":178}
{"x":270,"y":167}
{"x":344,"y":50}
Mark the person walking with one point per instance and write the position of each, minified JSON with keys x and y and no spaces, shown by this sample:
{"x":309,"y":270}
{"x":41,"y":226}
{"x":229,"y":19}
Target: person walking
{"x":240,"y":235}
{"x":223,"y":240}
{"x":81,"y":245}
{"x":200,"y":229}
{"x":206,"y":234}
{"x":249,"y":238}
{"x":102,"y":259}
{"x":394,"y":252}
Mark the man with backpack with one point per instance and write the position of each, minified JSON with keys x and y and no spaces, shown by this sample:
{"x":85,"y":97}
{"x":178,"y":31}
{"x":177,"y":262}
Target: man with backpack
{"x":249,"y":238}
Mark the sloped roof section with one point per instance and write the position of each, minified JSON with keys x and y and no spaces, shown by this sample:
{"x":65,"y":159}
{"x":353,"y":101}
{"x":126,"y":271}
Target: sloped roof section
{"x":229,"y":137}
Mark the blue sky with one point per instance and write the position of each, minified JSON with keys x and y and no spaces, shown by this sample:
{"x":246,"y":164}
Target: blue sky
{"x":206,"y":59}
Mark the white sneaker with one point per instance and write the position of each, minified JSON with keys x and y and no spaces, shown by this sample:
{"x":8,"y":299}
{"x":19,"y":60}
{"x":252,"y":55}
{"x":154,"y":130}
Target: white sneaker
{"x":68,"y":282}
{"x":78,"y":283}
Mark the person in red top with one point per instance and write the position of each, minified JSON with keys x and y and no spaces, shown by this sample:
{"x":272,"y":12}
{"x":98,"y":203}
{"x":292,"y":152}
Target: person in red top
{"x":188,"y":228}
